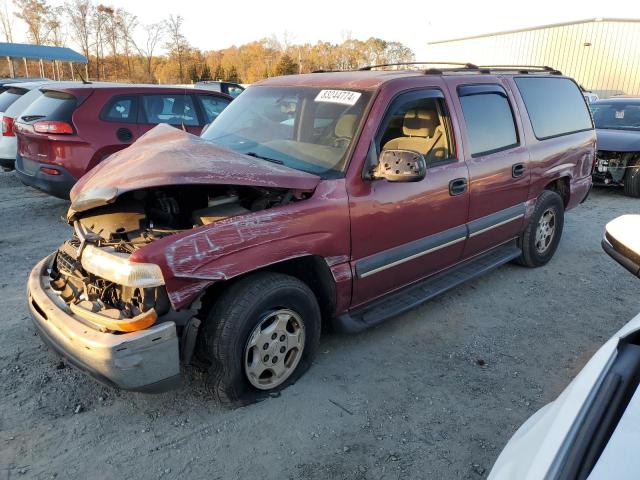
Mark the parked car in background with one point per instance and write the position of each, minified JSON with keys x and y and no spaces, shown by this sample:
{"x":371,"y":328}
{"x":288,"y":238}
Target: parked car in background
{"x":230,"y":88}
{"x":588,"y":430}
{"x":239,"y":244}
{"x":22,"y":94}
{"x":5,"y":83}
{"x":590,"y":97}
{"x":617,"y":123}
{"x":70,"y":129}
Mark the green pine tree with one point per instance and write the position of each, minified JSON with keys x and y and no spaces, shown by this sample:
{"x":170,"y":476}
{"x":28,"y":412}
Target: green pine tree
{"x":193,"y":73}
{"x":232,"y":76}
{"x":206,"y":73}
{"x":220,"y":73}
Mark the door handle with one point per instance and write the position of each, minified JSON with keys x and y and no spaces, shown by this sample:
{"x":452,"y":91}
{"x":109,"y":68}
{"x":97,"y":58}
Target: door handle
{"x":517,"y":170}
{"x":457,"y":186}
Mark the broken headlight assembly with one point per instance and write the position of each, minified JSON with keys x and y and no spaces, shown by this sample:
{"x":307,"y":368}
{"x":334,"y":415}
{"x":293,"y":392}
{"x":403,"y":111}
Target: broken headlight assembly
{"x":106,"y":263}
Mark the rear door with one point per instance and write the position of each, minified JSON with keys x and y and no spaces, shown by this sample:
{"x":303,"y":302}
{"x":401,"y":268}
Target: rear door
{"x":498,"y":162}
{"x":177,"y":109}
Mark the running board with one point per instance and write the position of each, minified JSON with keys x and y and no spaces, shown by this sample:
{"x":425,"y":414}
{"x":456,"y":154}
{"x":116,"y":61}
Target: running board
{"x":418,"y":293}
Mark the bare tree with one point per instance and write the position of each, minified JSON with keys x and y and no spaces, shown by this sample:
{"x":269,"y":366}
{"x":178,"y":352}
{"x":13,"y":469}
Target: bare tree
{"x":177,"y":45}
{"x":37,"y":15}
{"x":6,"y":20}
{"x":80,"y":13}
{"x":154,"y":34}
{"x":127,"y":25}
{"x":56,"y":27}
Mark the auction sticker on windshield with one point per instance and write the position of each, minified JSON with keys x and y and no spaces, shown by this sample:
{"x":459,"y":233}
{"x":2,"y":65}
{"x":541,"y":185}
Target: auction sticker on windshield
{"x":343,"y":97}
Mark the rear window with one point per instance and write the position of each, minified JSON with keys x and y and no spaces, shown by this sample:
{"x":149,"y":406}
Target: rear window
{"x":23,"y":102}
{"x":555,"y":106}
{"x":9,"y":96}
{"x":52,"y":105}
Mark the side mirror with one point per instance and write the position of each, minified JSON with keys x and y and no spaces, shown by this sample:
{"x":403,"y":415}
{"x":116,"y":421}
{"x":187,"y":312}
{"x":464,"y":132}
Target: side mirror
{"x":622,"y":242}
{"x":400,"y":166}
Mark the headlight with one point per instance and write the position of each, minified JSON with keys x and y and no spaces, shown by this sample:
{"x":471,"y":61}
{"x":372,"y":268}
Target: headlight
{"x":116,"y":267}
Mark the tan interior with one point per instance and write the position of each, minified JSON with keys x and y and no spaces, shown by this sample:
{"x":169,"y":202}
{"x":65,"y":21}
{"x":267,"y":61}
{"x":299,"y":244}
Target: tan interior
{"x":423,"y":133}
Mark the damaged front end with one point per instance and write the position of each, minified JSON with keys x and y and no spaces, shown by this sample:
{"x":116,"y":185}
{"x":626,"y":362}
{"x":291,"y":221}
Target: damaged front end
{"x":97,"y":288}
{"x":610,"y":167}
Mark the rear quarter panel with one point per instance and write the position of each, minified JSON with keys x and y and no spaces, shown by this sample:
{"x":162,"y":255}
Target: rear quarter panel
{"x":569,"y":156}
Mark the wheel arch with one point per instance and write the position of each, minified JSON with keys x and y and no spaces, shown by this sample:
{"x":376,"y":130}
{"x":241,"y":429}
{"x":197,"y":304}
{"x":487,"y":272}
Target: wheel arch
{"x":562,"y":187}
{"x":312,"y":270}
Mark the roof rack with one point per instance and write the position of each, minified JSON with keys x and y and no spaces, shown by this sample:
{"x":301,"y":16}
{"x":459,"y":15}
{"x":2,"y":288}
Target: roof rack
{"x":460,"y":64}
{"x":470,"y":67}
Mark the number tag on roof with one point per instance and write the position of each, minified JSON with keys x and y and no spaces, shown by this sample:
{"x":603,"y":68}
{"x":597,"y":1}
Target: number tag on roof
{"x":343,"y":97}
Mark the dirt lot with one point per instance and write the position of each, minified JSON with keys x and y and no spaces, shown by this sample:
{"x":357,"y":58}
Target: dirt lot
{"x":435,"y":393}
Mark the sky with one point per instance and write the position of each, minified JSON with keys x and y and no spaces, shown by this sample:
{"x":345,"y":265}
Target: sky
{"x":209,"y":26}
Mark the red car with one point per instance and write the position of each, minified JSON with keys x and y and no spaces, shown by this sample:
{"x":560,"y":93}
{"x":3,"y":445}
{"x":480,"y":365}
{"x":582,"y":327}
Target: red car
{"x":338,"y":199}
{"x":69,"y":130}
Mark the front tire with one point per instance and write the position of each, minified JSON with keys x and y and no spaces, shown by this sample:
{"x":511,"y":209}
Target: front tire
{"x":632,"y":179}
{"x":260,"y":336}
{"x":540,"y":239}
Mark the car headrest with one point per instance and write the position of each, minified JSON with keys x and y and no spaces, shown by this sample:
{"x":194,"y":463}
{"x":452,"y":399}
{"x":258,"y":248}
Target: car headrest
{"x":420,"y":123}
{"x":346,"y":126}
{"x":178,"y":106}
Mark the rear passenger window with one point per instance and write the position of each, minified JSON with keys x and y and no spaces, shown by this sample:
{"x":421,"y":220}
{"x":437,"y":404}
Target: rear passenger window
{"x":120,"y":110}
{"x":174,"y":109}
{"x":488,"y":118}
{"x":555,"y":106}
{"x":212,"y":106}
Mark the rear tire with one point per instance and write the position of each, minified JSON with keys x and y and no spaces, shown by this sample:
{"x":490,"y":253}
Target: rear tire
{"x":632,"y":179}
{"x":541,"y":237}
{"x":253,"y":327}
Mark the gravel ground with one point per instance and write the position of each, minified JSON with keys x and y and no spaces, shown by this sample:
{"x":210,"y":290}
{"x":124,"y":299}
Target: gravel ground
{"x":435,"y":393}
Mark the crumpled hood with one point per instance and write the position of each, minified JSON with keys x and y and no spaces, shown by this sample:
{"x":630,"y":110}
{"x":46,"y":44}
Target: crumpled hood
{"x":168,"y":156}
{"x":618,"y":140}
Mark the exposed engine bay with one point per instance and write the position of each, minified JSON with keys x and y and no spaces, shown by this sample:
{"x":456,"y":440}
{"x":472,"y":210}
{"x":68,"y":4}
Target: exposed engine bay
{"x":109,"y":234}
{"x":611,"y":167}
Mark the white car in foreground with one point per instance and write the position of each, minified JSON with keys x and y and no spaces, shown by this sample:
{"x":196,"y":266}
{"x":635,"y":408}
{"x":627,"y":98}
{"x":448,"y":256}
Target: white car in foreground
{"x":592,"y":429}
{"x":19,"y":96}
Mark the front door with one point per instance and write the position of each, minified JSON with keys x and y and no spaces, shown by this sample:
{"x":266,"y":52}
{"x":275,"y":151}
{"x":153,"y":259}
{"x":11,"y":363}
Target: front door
{"x":402,"y":232}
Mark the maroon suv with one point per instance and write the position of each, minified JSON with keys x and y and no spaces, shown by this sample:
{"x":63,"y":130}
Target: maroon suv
{"x":338,"y":199}
{"x":69,"y":130}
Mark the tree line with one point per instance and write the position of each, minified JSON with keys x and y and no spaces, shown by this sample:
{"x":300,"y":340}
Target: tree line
{"x":121,"y":47}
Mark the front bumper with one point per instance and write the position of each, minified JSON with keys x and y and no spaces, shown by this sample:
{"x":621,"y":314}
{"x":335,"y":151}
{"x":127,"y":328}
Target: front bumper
{"x":144,"y":361}
{"x":30,"y":174}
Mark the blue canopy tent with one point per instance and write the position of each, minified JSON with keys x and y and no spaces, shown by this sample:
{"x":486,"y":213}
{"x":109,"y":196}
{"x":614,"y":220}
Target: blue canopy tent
{"x":40,"y":52}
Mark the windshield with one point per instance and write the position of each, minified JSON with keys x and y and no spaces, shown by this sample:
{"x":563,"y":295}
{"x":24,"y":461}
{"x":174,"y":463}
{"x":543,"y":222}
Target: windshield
{"x":616,"y":115}
{"x":308,"y":129}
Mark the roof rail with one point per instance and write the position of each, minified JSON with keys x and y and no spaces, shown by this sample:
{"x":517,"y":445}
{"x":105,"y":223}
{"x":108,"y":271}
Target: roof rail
{"x":522,"y":68}
{"x":398,"y":64}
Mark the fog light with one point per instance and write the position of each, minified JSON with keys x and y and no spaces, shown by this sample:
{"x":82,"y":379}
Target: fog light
{"x":49,"y":171}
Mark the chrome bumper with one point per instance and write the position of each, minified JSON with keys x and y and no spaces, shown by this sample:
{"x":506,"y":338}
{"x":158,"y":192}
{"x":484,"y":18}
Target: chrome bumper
{"x":143,"y":361}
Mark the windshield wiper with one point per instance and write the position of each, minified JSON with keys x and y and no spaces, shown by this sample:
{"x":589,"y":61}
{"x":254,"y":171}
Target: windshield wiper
{"x":272,"y":160}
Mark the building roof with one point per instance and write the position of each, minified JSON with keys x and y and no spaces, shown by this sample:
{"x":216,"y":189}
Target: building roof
{"x":539,"y":27}
{"x":37,"y":52}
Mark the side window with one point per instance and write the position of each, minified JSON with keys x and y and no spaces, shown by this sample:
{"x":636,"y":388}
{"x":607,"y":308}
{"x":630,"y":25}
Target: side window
{"x":418,"y":122}
{"x":174,"y":109}
{"x":555,"y":106}
{"x":488,"y":118}
{"x":120,"y":109}
{"x":212,"y":106}
{"x":233,"y":90}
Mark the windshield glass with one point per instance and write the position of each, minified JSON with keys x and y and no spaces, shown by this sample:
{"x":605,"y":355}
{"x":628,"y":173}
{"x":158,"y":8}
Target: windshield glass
{"x":308,"y":129}
{"x":616,"y":115}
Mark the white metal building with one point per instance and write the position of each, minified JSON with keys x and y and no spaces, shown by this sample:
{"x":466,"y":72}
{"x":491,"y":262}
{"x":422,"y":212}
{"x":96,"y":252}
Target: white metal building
{"x":602,"y":54}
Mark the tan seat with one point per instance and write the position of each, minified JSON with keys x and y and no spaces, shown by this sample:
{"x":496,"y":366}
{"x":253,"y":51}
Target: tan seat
{"x":423,"y":134}
{"x":344,"y":130}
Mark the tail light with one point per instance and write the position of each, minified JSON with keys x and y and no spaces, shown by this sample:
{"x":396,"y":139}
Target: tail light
{"x":54,"y":127}
{"x":7,"y":126}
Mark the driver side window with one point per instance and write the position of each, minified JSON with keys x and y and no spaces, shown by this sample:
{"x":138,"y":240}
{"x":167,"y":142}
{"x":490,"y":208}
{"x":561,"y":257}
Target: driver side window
{"x":418,"y":124}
